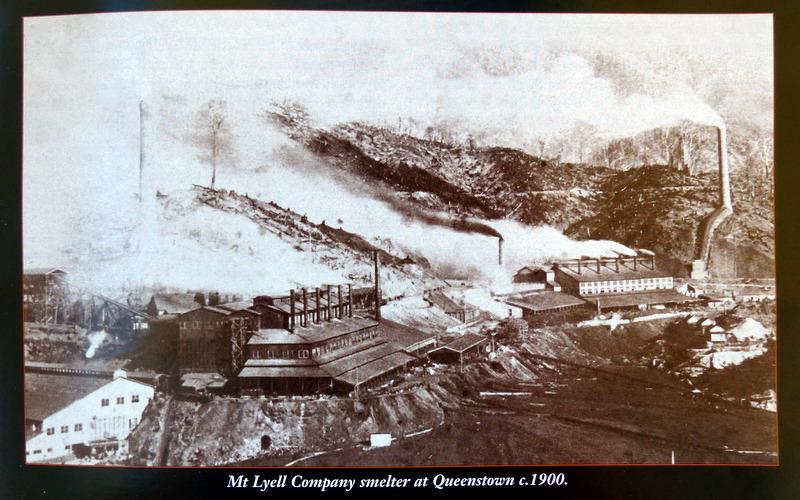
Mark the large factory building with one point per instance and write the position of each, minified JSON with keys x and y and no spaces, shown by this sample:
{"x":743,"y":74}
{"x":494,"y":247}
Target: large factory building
{"x":620,"y":282}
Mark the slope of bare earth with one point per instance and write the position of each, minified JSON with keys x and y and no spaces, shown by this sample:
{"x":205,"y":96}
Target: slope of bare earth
{"x":653,"y":207}
{"x":548,"y":397}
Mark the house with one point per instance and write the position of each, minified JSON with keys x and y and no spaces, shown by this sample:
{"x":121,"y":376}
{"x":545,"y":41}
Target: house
{"x":542,"y":276}
{"x":462,"y":349}
{"x":718,"y":334}
{"x":64,"y":410}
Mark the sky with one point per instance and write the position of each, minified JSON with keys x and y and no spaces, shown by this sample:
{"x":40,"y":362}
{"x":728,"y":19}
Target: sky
{"x":511,"y":78}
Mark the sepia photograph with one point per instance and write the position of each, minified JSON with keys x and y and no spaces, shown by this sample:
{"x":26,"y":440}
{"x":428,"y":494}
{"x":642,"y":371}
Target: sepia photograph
{"x":308,"y":238}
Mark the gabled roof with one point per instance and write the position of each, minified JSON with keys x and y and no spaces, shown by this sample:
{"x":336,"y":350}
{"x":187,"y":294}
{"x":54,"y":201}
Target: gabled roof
{"x":34,"y":271}
{"x":544,"y":301}
{"x":607,"y":273}
{"x":174,"y":303}
{"x":463,"y":343}
{"x":47,"y":393}
{"x":444,"y":302}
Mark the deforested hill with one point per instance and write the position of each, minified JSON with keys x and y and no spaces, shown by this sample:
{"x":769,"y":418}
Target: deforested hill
{"x":651,"y":206}
{"x":489,"y":182}
{"x":661,"y":209}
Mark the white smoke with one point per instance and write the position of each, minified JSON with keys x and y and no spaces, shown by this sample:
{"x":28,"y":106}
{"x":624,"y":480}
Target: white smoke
{"x":415,"y":70}
{"x":96,"y":339}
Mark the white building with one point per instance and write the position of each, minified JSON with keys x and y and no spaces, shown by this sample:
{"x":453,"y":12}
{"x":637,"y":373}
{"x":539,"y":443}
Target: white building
{"x":62,"y":410}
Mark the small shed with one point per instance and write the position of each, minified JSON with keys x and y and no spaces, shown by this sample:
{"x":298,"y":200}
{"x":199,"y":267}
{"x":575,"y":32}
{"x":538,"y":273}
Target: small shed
{"x":462,"y":349}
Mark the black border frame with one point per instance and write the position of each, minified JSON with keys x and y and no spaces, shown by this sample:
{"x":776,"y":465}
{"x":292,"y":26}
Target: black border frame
{"x":20,"y":481}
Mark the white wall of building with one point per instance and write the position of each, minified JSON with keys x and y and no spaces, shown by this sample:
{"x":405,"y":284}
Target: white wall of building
{"x":109,"y":413}
{"x":620,"y":286}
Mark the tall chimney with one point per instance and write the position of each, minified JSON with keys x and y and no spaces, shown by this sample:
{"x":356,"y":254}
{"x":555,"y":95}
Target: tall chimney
{"x":635,"y":260}
{"x":141,"y":147}
{"x":579,"y":265}
{"x":500,"y":251}
{"x":329,"y":303}
{"x":318,"y":308}
{"x":377,"y":258}
{"x":291,"y":310}
{"x":598,"y":265}
{"x":724,"y":177}
{"x":339,"y":311}
{"x":350,"y":299}
{"x":305,"y":307}
{"x":616,"y":264}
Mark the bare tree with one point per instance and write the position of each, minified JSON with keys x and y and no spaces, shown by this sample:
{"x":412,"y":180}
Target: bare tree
{"x":214,"y":137}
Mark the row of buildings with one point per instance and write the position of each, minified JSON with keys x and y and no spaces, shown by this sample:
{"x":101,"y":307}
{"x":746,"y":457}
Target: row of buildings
{"x":605,"y":283}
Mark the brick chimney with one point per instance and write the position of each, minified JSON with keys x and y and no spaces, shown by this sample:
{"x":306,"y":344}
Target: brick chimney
{"x":291,"y":310}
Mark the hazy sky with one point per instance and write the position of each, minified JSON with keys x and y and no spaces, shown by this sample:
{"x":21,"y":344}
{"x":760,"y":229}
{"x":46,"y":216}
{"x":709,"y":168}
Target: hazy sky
{"x":517,"y":77}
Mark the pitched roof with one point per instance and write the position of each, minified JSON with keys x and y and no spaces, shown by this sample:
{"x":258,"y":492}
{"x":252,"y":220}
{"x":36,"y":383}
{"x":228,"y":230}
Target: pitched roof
{"x":375,"y":368}
{"x":544,"y":301}
{"x":589,"y":272}
{"x":47,"y":393}
{"x":636,"y":298}
{"x":42,"y":270}
{"x":463,"y":343}
{"x":444,"y":302}
{"x":409,"y":338}
{"x":314,"y":332}
{"x":174,"y":303}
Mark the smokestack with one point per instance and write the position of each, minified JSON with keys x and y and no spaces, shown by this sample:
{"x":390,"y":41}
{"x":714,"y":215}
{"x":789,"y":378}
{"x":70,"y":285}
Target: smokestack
{"x":377,"y":258}
{"x":305,"y":307}
{"x":635,"y":260}
{"x":724,"y":177}
{"x":339,"y":296}
{"x":616,"y":264}
{"x":350,"y":299}
{"x":598,"y":265}
{"x":579,"y":265}
{"x":500,"y":251}
{"x":291,"y":310}
{"x":318,"y":308}
{"x":329,"y":303}
{"x":141,"y":147}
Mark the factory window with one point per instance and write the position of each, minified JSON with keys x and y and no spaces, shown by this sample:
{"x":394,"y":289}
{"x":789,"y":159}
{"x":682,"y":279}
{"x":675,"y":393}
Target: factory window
{"x":49,"y":450}
{"x":64,"y":428}
{"x":78,"y":427}
{"x":135,"y":398}
{"x":120,"y":400}
{"x":104,"y":402}
{"x":304,"y":353}
{"x":51,"y":431}
{"x":68,"y":447}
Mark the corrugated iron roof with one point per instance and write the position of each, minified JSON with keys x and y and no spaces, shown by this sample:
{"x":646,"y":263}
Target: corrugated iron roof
{"x":544,"y":301}
{"x":46,"y":393}
{"x":347,"y":363}
{"x":439,"y":299}
{"x":375,"y":368}
{"x":638,"y":298}
{"x":467,"y":341}
{"x":589,"y":272}
{"x":280,"y":362}
{"x":282,"y":372}
{"x":175,"y":303}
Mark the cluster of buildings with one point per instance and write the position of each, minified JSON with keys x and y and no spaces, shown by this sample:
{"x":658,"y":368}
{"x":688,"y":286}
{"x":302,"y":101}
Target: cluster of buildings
{"x":603,"y":283}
